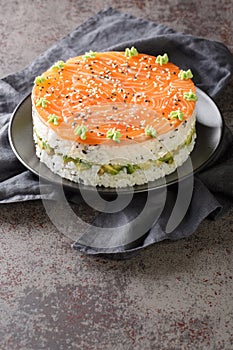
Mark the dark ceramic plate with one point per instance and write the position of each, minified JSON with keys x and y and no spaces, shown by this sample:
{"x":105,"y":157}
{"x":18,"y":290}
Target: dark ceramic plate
{"x":209,"y":134}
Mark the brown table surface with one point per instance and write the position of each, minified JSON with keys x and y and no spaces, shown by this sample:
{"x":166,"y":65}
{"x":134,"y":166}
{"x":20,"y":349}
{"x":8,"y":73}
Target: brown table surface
{"x":170,"y":296}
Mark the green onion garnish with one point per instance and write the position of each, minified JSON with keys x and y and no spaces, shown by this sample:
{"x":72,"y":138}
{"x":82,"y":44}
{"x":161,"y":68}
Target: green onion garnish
{"x":53,"y":118}
{"x":59,"y":65}
{"x":150,"y":131}
{"x":40,"y":79}
{"x":114,"y":135}
{"x":176,"y":114}
{"x":131,"y":52}
{"x":162,"y":59}
{"x":185,"y":75}
{"x":42,"y":102}
{"x":90,"y":54}
{"x":81,"y":130}
{"x":190,"y":96}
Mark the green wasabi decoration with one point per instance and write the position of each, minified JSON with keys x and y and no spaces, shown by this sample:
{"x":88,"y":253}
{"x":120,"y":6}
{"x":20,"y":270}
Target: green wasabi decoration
{"x":40,"y":79}
{"x":131,"y":52}
{"x":162,"y":59}
{"x":90,"y":54}
{"x":177,"y":114}
{"x":150,"y":131}
{"x":190,"y":96}
{"x":114,"y":135}
{"x":185,"y":75}
{"x":81,"y":130}
{"x":53,"y":118}
{"x":42,"y":102}
{"x":59,"y":65}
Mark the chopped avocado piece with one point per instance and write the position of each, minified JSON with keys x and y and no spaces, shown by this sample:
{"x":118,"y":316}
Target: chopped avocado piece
{"x":111,"y":169}
{"x":145,"y":165}
{"x":83,"y":166}
{"x":189,"y":138}
{"x":131,"y":168}
{"x":114,"y":169}
{"x":101,"y":171}
{"x":44,"y":145}
{"x":67,"y":159}
{"x":49,"y":150}
{"x":168,"y":158}
{"x":80,"y":164}
{"x":117,"y":167}
{"x":40,"y":143}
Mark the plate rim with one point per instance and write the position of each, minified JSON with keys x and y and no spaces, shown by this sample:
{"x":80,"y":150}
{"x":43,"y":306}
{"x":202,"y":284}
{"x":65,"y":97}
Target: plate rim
{"x":73,"y":186}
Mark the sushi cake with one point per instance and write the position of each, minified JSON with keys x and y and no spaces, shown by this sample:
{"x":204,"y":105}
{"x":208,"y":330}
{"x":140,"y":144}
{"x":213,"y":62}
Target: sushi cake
{"x":114,"y":119}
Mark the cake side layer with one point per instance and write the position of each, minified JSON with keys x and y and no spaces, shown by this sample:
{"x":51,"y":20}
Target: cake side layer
{"x":109,"y":175}
{"x":124,"y":153}
{"x":115,"y":173}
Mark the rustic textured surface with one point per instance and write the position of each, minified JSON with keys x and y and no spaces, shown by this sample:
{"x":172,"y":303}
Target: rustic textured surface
{"x":172,"y":295}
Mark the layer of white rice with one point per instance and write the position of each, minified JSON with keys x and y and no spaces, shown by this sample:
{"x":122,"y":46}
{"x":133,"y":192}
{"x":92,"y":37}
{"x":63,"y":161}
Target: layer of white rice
{"x":122,"y":153}
{"x":91,"y":177}
{"x":144,"y":155}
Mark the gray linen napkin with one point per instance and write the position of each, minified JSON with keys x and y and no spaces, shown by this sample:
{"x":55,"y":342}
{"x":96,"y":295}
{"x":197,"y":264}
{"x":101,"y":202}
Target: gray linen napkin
{"x":212,"y":65}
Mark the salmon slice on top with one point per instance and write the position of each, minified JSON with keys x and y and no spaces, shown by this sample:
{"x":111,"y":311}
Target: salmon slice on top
{"x":114,"y":113}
